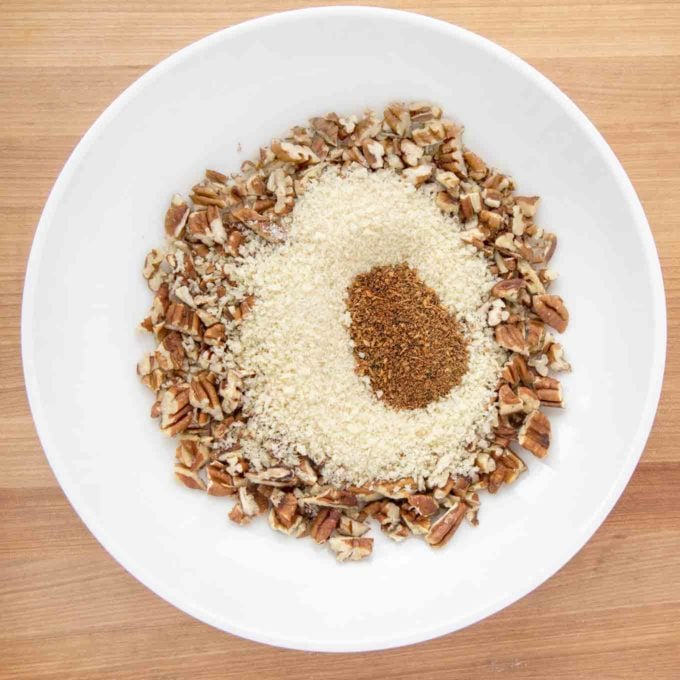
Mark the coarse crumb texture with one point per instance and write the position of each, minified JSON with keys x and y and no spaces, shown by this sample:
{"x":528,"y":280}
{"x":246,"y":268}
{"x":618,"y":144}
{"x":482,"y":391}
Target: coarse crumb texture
{"x":301,"y":387}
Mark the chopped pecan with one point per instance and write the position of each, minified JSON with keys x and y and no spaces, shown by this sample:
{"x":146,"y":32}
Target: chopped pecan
{"x":535,"y":335}
{"x":477,"y":168}
{"x":419,"y":525}
{"x":496,"y":478}
{"x":170,"y":353}
{"x":399,"y":489}
{"x":198,"y":228}
{"x":333,"y":498}
{"x":398,"y":119}
{"x":189,"y":477}
{"x":326,"y":129}
{"x":508,"y":401}
{"x":203,"y":396}
{"x":508,"y":289}
{"x":180,"y":317}
{"x":516,"y":371}
{"x":527,"y":204}
{"x":324,"y":524}
{"x":418,"y":175}
{"x":305,"y":472}
{"x":176,"y":414}
{"x":215,"y":335}
{"x":530,"y":401}
{"x":432,"y":132}
{"x":347,"y":548}
{"x":285,"y":506}
{"x":512,"y":337}
{"x":252,"y":502}
{"x":534,"y":435}
{"x":423,"y":505}
{"x":470,"y":204}
{"x":549,"y":391}
{"x":293,"y":153}
{"x":238,"y":516}
{"x":176,"y":217}
{"x":274,"y":476}
{"x":556,"y":360}
{"x":514,"y":466}
{"x":373,"y":153}
{"x":552,"y":310}
{"x":220,"y":482}
{"x":192,"y":453}
{"x":351,"y":527}
{"x":443,"y":529}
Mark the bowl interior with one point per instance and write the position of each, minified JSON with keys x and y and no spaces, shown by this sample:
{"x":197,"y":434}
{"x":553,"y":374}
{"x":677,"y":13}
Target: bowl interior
{"x":213,"y":105}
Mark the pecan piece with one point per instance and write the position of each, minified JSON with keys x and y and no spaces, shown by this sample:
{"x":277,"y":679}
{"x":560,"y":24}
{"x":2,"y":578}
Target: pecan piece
{"x":220,"y":482}
{"x":347,"y":548}
{"x":530,"y":401}
{"x":180,"y":317}
{"x":324,"y":524}
{"x":176,"y":414}
{"x":417,"y":524}
{"x":423,"y":505}
{"x":192,"y":454}
{"x":549,"y":391}
{"x":556,"y":360}
{"x":551,"y":309}
{"x":176,"y":217}
{"x":170,"y":352}
{"x":188,"y":477}
{"x":238,"y":516}
{"x":215,"y":335}
{"x":203,"y":396}
{"x":443,"y":529}
{"x":516,"y":371}
{"x":274,"y":476}
{"x":293,"y":153}
{"x":333,"y":498}
{"x":534,"y":435}
{"x":508,"y":401}
{"x":351,"y":527}
{"x":285,"y":507}
{"x":512,"y":337}
{"x":508,"y":289}
{"x":527,"y":204}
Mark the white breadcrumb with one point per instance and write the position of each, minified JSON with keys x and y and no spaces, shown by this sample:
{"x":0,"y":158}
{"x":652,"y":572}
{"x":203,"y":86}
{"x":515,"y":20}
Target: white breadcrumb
{"x":296,"y":353}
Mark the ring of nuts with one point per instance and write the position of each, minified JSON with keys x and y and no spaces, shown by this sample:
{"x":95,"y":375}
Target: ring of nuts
{"x":198,"y":396}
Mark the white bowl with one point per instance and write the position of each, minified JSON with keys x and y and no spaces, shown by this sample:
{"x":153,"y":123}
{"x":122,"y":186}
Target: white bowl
{"x":211,"y":105}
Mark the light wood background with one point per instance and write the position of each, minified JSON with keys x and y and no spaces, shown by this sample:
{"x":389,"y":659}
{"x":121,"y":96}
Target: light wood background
{"x":67,"y":610}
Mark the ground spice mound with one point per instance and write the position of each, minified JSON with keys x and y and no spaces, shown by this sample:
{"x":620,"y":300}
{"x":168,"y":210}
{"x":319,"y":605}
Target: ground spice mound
{"x":407,"y":343}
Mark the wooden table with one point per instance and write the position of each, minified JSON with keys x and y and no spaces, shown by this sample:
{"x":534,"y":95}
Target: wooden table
{"x":68,"y":610}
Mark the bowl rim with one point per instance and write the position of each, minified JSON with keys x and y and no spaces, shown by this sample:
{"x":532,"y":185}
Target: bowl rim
{"x":69,"y":485}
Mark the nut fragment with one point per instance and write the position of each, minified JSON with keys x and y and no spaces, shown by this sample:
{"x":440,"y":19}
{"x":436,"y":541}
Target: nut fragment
{"x":324,"y":524}
{"x":220,"y":482}
{"x":443,"y":529}
{"x":423,"y":505}
{"x":333,"y":498}
{"x":549,"y":391}
{"x":508,"y":401}
{"x":534,"y":434}
{"x":512,"y":337}
{"x":552,"y":310}
{"x":508,"y":289}
{"x":346,"y":548}
{"x":176,"y":216}
{"x":189,"y":477}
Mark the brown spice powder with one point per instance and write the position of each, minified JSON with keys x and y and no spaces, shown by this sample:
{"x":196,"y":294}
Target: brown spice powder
{"x":405,"y":340}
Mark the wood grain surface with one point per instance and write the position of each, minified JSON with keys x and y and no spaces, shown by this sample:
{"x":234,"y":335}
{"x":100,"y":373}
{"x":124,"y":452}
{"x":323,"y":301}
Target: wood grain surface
{"x":69,"y":611}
